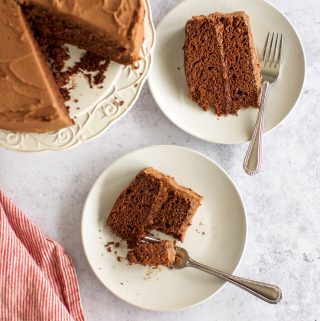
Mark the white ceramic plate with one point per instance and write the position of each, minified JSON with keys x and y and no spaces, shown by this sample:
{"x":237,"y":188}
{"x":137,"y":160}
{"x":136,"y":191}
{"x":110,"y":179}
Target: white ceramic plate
{"x":216,"y":237}
{"x":97,"y":108}
{"x":169,"y":88}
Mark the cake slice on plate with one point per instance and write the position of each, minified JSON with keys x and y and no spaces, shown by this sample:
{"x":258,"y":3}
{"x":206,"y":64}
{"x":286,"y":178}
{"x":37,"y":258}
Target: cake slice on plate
{"x":221,"y":64}
{"x":153,"y":200}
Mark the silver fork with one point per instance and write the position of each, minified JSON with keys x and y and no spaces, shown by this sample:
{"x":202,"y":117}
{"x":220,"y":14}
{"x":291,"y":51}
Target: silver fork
{"x":271,"y":59}
{"x":267,"y":292}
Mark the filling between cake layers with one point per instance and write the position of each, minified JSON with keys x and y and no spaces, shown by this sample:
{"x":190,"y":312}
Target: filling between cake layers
{"x":221,"y":65}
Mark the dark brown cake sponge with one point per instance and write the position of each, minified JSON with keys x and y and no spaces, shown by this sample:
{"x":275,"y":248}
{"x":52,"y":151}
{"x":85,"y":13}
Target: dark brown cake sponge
{"x":153,"y":201}
{"x":153,"y":254}
{"x":221,"y":64}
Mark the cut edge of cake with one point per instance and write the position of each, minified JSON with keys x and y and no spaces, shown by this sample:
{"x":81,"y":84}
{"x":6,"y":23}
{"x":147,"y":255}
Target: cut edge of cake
{"x":40,"y":107}
{"x":116,"y":222}
{"x":231,"y":105}
{"x":153,"y":254}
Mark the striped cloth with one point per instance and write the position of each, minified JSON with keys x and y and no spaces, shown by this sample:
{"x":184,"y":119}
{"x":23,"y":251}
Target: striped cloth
{"x":37,"y":278}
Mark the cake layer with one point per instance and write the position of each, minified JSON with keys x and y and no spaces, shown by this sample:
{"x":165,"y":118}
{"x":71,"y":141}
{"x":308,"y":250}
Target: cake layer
{"x":221,"y":65}
{"x":204,"y":64}
{"x":30,"y":100}
{"x":153,"y":254}
{"x":111,"y":28}
{"x":241,"y":60}
{"x":153,"y":201}
{"x":136,"y":207}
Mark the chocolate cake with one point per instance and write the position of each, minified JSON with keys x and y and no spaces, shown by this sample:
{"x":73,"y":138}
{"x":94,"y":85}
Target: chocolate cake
{"x":111,"y":28}
{"x":221,"y":64}
{"x":153,"y":254}
{"x":153,"y":201}
{"x":30,"y":100}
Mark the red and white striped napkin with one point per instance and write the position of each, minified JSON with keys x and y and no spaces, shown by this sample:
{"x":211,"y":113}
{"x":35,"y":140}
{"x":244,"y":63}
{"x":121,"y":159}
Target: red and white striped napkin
{"x":37,"y":278}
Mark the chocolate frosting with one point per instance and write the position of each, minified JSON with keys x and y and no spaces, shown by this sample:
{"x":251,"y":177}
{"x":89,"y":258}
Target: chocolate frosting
{"x":122,"y":19}
{"x":29,"y":100}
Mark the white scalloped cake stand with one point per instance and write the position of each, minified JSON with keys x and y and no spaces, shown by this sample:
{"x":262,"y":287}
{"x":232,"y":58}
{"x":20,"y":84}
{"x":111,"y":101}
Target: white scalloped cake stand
{"x":92,"y":109}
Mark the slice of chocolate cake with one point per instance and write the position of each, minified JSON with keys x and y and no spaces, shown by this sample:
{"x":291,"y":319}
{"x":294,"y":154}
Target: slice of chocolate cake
{"x":30,"y":100}
{"x":111,"y":29}
{"x":153,"y":254}
{"x":153,"y":201}
{"x":221,"y":64}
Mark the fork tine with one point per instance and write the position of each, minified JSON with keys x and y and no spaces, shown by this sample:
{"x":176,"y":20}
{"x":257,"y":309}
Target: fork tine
{"x":272,"y":61}
{"x":265,"y":47}
{"x":280,"y":50}
{"x":269,"y":51}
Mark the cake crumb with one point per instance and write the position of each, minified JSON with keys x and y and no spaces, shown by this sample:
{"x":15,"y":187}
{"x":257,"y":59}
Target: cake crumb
{"x":121,"y":283}
{"x":119,"y":258}
{"x":89,"y":78}
{"x":75,"y":100}
{"x":203,"y":233}
{"x":121,"y":102}
{"x":117,"y":244}
{"x":178,"y":68}
{"x":109,"y":249}
{"x":147,"y":275}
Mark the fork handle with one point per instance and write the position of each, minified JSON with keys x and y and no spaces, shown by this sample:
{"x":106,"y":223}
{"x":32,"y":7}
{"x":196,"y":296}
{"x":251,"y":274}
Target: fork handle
{"x":253,"y":160}
{"x":267,"y":292}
